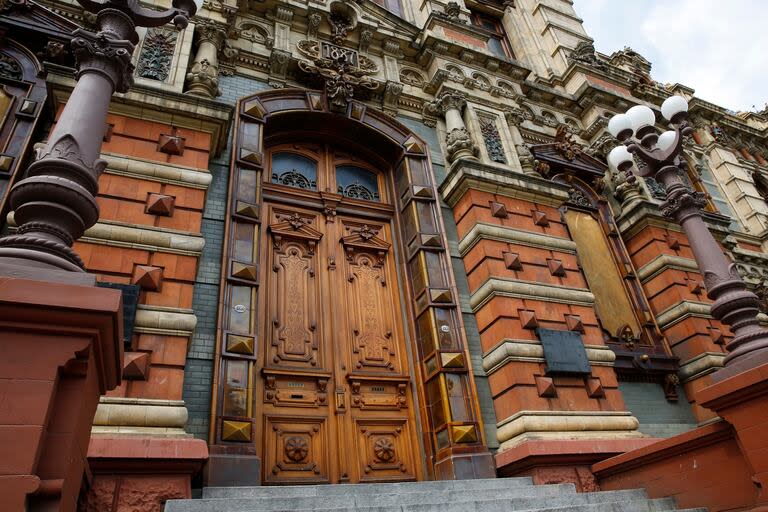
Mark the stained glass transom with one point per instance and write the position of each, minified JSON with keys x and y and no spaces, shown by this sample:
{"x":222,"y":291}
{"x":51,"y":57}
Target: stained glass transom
{"x":294,"y":170}
{"x":357,"y":183}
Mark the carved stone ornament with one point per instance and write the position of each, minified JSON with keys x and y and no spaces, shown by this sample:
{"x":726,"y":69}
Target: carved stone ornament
{"x":341,"y":23}
{"x":313,"y":24}
{"x":565,"y":145}
{"x":492,"y":139}
{"x":10,"y":67}
{"x":452,"y":11}
{"x":578,"y":198}
{"x":342,"y":70}
{"x":458,"y":140}
{"x":156,"y":54}
{"x":585,"y":53}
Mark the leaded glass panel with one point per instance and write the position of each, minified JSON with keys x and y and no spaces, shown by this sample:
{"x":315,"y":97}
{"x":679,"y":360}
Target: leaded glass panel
{"x":357,"y":183}
{"x":294,"y":170}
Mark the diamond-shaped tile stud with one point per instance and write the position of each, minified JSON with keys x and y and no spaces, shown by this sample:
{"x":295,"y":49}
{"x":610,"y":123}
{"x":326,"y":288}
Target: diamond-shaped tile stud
{"x":556,"y":267}
{"x":673,"y":242}
{"x":695,"y":286}
{"x":440,"y":295}
{"x":414,"y":146}
{"x":236,"y":430}
{"x":244,"y":271}
{"x":528,"y":319}
{"x":574,"y":323}
{"x":718,"y":338}
{"x":464,"y":433}
{"x":148,"y":277}
{"x":135,"y":365}
{"x":247,"y":209}
{"x":498,"y":210}
{"x":452,"y":359}
{"x":240,"y":344}
{"x":545,"y":386}
{"x":540,"y":218}
{"x":160,"y":204}
{"x":512,"y":261}
{"x":171,"y":144}
{"x":595,"y":387}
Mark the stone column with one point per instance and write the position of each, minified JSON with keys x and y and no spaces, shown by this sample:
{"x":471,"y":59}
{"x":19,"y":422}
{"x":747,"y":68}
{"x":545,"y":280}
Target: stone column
{"x":203,"y":77}
{"x":457,"y":139}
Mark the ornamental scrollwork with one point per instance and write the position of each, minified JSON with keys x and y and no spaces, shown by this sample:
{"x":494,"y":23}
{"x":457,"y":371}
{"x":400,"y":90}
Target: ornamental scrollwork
{"x":10,"y":68}
{"x":97,"y":52}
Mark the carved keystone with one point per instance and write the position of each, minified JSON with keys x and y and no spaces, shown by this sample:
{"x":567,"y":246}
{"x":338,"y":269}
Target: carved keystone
{"x":556,"y":267}
{"x":528,"y":319}
{"x":512,"y":261}
{"x":540,"y":218}
{"x":498,"y":210}
{"x":135,"y":365}
{"x":171,"y":144}
{"x":160,"y":204}
{"x":545,"y":386}
{"x":148,"y":277}
{"x":595,"y":387}
{"x":574,"y":323}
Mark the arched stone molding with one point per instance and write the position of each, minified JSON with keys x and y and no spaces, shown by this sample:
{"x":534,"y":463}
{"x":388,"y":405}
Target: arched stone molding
{"x":451,"y":447}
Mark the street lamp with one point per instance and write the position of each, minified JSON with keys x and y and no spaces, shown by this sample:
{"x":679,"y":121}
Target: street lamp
{"x":54,"y":204}
{"x":660,"y":155}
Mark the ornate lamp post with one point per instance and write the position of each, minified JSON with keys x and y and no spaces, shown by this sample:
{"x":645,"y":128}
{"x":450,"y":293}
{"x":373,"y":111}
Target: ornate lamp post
{"x":55,"y":203}
{"x":660,"y":157}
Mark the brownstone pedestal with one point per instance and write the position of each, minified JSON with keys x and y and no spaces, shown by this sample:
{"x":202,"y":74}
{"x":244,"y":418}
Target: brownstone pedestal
{"x":60,"y":348}
{"x":742,"y":401}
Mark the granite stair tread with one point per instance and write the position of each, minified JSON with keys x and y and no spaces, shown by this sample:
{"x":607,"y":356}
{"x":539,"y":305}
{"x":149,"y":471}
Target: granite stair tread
{"x":491,"y":495}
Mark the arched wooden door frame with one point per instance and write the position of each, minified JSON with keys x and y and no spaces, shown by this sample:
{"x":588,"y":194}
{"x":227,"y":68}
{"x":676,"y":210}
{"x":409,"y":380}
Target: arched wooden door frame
{"x":453,"y":443}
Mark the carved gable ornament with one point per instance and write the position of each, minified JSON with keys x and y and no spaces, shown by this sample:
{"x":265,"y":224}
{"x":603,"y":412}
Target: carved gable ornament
{"x":564,"y":154}
{"x":294,"y":226}
{"x":365,"y":239}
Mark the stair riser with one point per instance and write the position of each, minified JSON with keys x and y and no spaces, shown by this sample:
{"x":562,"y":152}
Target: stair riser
{"x":366,"y":489}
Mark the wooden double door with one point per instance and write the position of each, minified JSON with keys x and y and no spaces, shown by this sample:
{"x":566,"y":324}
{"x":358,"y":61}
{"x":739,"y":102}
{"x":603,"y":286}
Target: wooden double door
{"x":334,"y":396}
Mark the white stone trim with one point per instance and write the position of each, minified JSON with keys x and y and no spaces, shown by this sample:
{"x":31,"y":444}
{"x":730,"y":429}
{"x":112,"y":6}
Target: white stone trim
{"x":168,"y":321}
{"x":564,"y":425}
{"x":483,"y":231}
{"x":663,"y":262}
{"x":530,"y":290}
{"x":700,"y":365}
{"x":533,"y":352}
{"x":141,"y":412}
{"x":157,"y":171}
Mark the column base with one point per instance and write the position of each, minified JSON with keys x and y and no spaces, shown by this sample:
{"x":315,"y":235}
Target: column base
{"x":232,"y":468}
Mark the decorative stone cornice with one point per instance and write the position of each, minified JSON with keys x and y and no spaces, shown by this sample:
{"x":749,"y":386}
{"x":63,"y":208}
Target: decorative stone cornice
{"x":468,"y":174}
{"x":483,"y":231}
{"x":507,"y":351}
{"x":529,"y":290}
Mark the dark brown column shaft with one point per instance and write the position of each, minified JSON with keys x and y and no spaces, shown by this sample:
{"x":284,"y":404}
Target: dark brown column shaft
{"x":55,"y":203}
{"x":734,"y":305}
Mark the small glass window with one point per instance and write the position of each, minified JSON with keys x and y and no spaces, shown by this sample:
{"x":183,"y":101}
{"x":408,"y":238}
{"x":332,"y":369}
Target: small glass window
{"x":357,"y":183}
{"x":294,"y":170}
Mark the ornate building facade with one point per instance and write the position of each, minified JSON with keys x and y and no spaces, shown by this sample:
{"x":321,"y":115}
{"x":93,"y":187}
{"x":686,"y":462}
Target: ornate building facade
{"x":378,"y":241}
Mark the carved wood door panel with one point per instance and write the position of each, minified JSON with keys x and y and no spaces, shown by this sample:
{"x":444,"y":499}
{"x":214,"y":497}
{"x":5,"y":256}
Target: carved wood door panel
{"x":333,"y":397}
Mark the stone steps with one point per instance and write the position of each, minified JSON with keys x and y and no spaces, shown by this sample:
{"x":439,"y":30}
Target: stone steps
{"x":490,"y":495}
